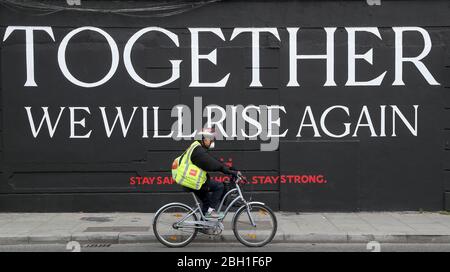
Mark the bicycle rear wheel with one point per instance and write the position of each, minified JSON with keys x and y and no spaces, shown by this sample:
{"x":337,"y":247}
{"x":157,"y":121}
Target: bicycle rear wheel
{"x":259,"y":235}
{"x":166,"y":230}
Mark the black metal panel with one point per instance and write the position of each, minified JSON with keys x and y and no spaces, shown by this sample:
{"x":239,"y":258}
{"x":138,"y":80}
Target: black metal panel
{"x":403,"y":172}
{"x":447,"y":180}
{"x":104,"y":202}
{"x":337,"y":161}
{"x":447,"y":201}
{"x":248,"y":13}
{"x":248,"y":160}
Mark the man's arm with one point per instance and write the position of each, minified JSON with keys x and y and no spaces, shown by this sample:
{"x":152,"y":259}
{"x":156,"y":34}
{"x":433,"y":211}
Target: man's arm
{"x":201,"y":158}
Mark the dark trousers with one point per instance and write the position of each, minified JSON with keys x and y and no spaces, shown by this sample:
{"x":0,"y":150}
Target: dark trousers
{"x":209,"y":194}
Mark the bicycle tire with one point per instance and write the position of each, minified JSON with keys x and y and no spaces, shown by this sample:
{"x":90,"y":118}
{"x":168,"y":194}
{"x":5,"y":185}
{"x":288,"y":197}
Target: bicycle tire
{"x":236,"y":219}
{"x":160,"y":238}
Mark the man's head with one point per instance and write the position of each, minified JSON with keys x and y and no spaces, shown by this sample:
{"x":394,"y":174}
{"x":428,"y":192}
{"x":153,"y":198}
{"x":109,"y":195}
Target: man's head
{"x":208,"y":138}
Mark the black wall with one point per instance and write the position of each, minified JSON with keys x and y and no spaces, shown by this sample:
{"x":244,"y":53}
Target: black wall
{"x":405,"y":172}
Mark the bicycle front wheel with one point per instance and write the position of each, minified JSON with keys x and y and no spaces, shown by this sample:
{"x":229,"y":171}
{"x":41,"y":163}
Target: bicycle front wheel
{"x":171,"y":225}
{"x":262,"y":232}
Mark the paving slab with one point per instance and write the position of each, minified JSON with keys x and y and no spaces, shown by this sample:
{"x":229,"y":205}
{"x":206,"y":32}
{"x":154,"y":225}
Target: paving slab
{"x":312,"y":222}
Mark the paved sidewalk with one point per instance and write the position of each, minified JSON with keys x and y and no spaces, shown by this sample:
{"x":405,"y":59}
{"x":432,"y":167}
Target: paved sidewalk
{"x":387,"y":227}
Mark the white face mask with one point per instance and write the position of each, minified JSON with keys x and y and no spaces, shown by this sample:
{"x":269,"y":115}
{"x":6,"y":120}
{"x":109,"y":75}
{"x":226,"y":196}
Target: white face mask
{"x":211,"y":146}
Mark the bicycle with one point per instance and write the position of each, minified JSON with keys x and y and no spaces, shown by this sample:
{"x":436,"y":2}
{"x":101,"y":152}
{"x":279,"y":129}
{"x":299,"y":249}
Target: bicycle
{"x":177,"y":224}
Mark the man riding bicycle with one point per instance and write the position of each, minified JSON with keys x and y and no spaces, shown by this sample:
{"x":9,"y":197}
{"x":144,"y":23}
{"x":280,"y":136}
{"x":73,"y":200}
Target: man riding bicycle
{"x":191,"y":170}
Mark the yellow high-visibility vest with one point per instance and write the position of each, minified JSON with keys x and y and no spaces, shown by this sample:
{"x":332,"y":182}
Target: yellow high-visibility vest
{"x":186,"y":173}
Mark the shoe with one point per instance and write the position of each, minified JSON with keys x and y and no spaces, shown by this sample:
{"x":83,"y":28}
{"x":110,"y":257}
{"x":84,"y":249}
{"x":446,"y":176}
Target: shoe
{"x":212,"y":215}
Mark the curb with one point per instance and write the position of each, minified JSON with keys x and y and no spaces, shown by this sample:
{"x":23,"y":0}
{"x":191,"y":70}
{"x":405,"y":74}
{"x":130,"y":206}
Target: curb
{"x":227,"y":237}
{"x":14,"y":239}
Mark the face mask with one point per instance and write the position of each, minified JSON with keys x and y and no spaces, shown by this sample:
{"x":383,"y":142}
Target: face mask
{"x":211,"y":146}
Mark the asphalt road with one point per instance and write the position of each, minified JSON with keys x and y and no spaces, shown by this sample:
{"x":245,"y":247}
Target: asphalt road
{"x":211,"y":247}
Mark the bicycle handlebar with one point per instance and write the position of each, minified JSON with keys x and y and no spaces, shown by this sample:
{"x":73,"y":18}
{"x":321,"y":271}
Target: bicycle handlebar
{"x":240,"y":178}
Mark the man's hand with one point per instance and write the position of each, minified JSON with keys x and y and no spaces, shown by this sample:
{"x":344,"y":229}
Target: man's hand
{"x":234,"y":173}
{"x":238,"y":175}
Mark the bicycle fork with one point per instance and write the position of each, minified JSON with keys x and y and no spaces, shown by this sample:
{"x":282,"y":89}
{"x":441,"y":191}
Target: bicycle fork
{"x":247,"y":207}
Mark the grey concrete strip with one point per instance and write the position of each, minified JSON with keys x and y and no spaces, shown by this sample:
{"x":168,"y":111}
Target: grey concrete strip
{"x":315,"y":237}
{"x":13,"y":239}
{"x":136,"y":237}
{"x":360,"y":238}
{"x":49,"y":238}
{"x":428,"y":238}
{"x":280,"y":237}
{"x":296,"y":228}
{"x":390,"y":238}
{"x":98,"y":237}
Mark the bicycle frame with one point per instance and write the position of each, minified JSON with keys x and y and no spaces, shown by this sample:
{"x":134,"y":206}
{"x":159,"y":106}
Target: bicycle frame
{"x":205,"y":223}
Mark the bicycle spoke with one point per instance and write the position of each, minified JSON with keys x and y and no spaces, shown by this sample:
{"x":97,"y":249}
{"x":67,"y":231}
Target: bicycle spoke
{"x":257,"y":234}
{"x":165,"y":226}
